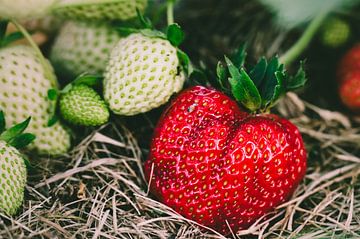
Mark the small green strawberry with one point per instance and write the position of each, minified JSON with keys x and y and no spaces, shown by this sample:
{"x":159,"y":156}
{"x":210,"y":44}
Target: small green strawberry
{"x":335,"y":32}
{"x":24,"y":9}
{"x":83,"y":47}
{"x":23,"y":92}
{"x":145,"y":70}
{"x":82,"y":105}
{"x":12,"y":165}
{"x":99,"y":9}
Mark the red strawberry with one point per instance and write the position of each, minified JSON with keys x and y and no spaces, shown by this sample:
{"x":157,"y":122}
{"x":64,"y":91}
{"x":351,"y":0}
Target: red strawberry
{"x":349,"y":90}
{"x":222,"y":167}
{"x":350,"y":62}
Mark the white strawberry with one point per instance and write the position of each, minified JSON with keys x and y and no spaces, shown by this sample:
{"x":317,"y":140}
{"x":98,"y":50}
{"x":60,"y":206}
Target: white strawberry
{"x":25,"y":9}
{"x":100,"y":9}
{"x":12,"y":165}
{"x":83,"y":47}
{"x":142,"y":74}
{"x":23,"y":93}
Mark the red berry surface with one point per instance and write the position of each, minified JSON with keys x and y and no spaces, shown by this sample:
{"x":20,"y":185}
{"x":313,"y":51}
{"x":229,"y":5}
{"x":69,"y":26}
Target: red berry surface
{"x":349,"y":63}
{"x":349,"y":90}
{"x":219,"y":166}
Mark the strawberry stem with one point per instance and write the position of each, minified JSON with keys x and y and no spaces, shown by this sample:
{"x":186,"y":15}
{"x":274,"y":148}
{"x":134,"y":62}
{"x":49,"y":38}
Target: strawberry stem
{"x":170,"y":12}
{"x":296,"y":50}
{"x":48,"y":72}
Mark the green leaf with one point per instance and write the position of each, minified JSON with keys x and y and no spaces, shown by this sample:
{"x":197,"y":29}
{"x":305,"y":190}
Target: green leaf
{"x":279,"y":89}
{"x":242,"y":87}
{"x":53,"y":120}
{"x":153,"y":33}
{"x":269,"y":82}
{"x":22,"y":140}
{"x":11,"y":38}
{"x":298,"y":80}
{"x":185,"y":62}
{"x":221,"y":73}
{"x":11,"y":133}
{"x":175,"y":34}
{"x":239,"y":57}
{"x":2,"y":122}
{"x":258,"y":72}
{"x":145,"y":22}
{"x":3,"y":27}
{"x":52,"y":94}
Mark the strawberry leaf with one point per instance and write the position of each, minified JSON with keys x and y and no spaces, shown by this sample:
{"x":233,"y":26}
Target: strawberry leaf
{"x":185,"y":62}
{"x":2,"y":122}
{"x":175,"y":34}
{"x":239,"y":57}
{"x":298,"y":80}
{"x":270,"y":81}
{"x":221,"y":73}
{"x":153,"y":33}
{"x":145,"y":22}
{"x":258,"y":72}
{"x":14,"y":131}
{"x":11,"y":38}
{"x":53,"y":120}
{"x":52,"y":94}
{"x":243,"y":88}
{"x":126,"y":31}
{"x":22,"y":140}
{"x":279,"y":89}
{"x":3,"y":27}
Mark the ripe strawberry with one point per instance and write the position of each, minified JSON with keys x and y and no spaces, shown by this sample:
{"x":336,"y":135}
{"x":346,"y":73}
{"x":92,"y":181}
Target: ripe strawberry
{"x":23,"y":9}
{"x":350,"y":62}
{"x":23,"y":92}
{"x":82,"y":105}
{"x":349,"y":90}
{"x":12,"y":165}
{"x":83,"y":47}
{"x":220,"y":166}
{"x":100,"y":9}
{"x":142,"y":74}
{"x":335,"y":32}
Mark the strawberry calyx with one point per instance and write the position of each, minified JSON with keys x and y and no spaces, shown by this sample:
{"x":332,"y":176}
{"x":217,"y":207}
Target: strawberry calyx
{"x":173,"y":33}
{"x":257,"y":88}
{"x":6,"y":39}
{"x":54,"y":94}
{"x":15,"y":135}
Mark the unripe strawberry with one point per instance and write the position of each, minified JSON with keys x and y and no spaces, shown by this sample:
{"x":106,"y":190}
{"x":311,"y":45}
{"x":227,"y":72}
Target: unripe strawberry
{"x":12,"y":178}
{"x":23,"y":92}
{"x":83,"y":47}
{"x":349,"y":90}
{"x":12,"y":165}
{"x":82,"y":105}
{"x":99,"y":9}
{"x":25,"y":9}
{"x":335,"y":32}
{"x":142,"y":74}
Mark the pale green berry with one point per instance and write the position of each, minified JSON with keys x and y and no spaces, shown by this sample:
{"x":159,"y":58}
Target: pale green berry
{"x":142,"y":74}
{"x":25,"y":9}
{"x":12,"y":179}
{"x":83,"y":47}
{"x":335,"y":32}
{"x":23,"y":93}
{"x":82,"y":105}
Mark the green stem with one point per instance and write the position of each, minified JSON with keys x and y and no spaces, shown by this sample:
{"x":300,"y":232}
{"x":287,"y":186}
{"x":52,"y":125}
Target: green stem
{"x":298,"y":48}
{"x":170,"y":12}
{"x":47,"y":70}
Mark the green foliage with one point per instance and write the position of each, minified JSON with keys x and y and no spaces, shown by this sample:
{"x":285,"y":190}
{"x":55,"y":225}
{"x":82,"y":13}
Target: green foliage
{"x":259,"y":87}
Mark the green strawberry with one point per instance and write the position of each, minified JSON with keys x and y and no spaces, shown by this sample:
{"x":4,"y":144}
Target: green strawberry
{"x":83,"y":47}
{"x":12,"y":165}
{"x":82,"y":105}
{"x":335,"y":32}
{"x":23,"y":92}
{"x":100,"y":9}
{"x":25,"y":9}
{"x":142,"y":74}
